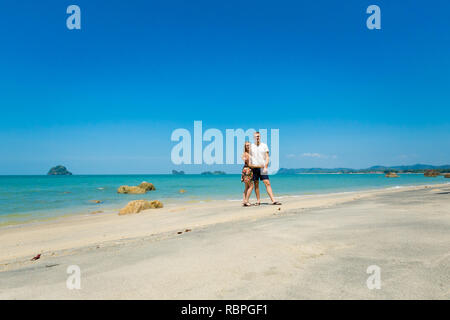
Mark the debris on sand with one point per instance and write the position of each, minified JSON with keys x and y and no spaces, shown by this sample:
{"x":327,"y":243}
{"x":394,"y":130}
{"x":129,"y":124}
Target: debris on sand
{"x":36,"y":257}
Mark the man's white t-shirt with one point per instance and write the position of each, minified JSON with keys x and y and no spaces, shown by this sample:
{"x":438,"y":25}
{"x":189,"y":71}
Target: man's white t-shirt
{"x":258,"y":154}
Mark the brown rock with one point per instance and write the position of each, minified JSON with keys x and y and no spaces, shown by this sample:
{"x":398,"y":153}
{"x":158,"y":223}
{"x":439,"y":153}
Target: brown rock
{"x":431,"y":173}
{"x":447,"y":175}
{"x":130,"y":190}
{"x":140,"y":189}
{"x":155,"y":204}
{"x":140,"y":205}
{"x":147,"y":186}
{"x":182,"y":191}
{"x":391,"y":175}
{"x":96,"y":201}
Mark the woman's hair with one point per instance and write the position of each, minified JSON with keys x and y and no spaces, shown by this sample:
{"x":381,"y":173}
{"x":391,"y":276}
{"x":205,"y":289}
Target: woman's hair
{"x":245,"y":146}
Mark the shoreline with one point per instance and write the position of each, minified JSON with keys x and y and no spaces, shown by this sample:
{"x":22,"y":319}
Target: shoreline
{"x":314,"y":247}
{"x":20,"y":242}
{"x":114,"y":208}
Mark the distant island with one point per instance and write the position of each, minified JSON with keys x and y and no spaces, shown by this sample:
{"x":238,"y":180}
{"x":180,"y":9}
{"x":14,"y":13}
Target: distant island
{"x":177,"y":172}
{"x":59,"y":171}
{"x":207,"y":173}
{"x":417,"y":168}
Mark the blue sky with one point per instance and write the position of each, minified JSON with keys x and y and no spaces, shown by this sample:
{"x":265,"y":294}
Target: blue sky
{"x":106,"y":98}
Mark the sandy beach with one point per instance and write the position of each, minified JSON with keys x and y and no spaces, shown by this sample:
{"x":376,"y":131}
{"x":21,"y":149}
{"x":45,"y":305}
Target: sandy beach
{"x":312,"y":247}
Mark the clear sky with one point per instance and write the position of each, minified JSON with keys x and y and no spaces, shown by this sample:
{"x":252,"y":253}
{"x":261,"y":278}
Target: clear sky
{"x":106,"y":98}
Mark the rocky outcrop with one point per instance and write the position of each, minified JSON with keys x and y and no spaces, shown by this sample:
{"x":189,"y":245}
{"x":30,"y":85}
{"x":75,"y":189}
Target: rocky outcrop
{"x":391,"y":175}
{"x":177,"y":172}
{"x":130,"y":190}
{"x":156,"y":204}
{"x":431,"y":173}
{"x":140,"y":189}
{"x":447,"y":175}
{"x":140,"y":205}
{"x":182,"y":191}
{"x":147,"y":186}
{"x":59,"y":171}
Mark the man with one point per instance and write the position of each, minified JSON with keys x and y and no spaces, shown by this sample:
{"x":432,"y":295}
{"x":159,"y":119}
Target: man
{"x":260,"y":164}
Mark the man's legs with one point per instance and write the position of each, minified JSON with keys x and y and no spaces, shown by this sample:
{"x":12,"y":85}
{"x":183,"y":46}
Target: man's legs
{"x":257,"y":191}
{"x":268,"y":189}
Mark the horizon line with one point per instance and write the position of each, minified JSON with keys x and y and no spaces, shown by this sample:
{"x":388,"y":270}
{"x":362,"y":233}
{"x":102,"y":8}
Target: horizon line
{"x":200,"y":173}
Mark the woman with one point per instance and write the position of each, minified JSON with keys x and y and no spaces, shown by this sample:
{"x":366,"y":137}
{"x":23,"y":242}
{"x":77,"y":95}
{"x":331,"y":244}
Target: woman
{"x":247,"y":174}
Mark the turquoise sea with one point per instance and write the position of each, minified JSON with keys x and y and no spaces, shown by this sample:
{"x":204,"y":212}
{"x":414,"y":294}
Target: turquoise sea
{"x":35,"y":198}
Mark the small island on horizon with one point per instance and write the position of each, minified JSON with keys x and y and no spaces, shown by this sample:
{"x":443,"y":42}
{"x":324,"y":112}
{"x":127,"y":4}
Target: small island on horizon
{"x":428,"y":170}
{"x":59,"y":171}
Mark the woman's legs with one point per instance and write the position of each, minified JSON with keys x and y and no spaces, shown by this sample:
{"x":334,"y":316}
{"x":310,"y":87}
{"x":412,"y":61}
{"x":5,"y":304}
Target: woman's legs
{"x":249,"y":191}
{"x":244,"y":200}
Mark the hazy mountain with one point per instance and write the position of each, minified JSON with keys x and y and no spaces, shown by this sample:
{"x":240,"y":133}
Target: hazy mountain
{"x":411,"y":168}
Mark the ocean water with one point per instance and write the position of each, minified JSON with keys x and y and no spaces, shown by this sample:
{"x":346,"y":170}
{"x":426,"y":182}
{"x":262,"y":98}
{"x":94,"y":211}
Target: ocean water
{"x":36,"y":198}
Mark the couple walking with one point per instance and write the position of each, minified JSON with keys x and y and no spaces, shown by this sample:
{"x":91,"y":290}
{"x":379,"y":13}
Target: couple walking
{"x":256,"y":163}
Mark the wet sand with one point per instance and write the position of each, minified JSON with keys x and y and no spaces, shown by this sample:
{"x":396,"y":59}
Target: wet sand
{"x":314,"y":247}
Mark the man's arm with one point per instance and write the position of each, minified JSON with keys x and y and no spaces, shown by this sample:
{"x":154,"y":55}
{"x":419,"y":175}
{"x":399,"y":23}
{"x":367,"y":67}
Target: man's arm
{"x":266,"y":165}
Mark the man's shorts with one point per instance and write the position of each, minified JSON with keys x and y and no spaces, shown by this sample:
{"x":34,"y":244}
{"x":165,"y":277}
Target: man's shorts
{"x":258,"y":176}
